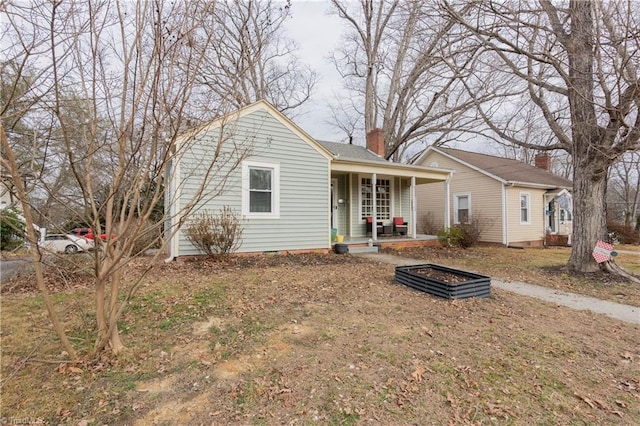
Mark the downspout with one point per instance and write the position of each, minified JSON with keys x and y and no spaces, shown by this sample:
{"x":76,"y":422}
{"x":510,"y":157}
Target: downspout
{"x":505,"y":227}
{"x":173,"y":208}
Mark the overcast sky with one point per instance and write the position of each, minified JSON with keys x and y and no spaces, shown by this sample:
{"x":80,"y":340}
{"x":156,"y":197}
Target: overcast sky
{"x":317,"y":34}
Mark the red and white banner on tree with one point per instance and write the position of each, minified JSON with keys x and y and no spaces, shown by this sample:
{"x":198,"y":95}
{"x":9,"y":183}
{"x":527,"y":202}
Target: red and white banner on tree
{"x":602,"y":251}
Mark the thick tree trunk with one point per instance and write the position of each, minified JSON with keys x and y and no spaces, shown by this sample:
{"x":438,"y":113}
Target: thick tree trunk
{"x":107,"y":313}
{"x":590,"y":168}
{"x":114,"y":337}
{"x":100,"y":316}
{"x":589,"y":218}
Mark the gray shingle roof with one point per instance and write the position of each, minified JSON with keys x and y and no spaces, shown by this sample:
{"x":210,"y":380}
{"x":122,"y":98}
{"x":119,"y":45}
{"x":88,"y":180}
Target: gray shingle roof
{"x":349,"y":151}
{"x":508,"y":169}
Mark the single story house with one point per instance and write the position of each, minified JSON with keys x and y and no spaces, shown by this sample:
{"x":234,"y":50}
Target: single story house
{"x":515,"y":203}
{"x":291,"y":190}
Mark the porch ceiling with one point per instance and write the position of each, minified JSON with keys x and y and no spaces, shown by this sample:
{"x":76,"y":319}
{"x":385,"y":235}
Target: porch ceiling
{"x":422,"y":174}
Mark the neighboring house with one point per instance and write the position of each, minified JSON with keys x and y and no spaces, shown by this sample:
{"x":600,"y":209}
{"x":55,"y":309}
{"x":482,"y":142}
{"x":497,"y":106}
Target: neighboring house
{"x":292,"y":190}
{"x":515,"y":203}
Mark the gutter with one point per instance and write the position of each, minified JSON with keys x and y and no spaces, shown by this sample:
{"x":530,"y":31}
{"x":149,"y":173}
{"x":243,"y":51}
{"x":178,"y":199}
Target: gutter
{"x":174,"y":190}
{"x":534,"y":185}
{"x":505,"y":224}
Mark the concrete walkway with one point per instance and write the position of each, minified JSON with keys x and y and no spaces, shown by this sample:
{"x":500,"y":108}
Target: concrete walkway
{"x":626,"y":313}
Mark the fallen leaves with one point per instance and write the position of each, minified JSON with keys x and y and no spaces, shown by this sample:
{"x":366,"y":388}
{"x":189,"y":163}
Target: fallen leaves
{"x":498,"y":409}
{"x":597,"y":404}
{"x":68,"y":368}
{"x":418,"y":373}
{"x":327,"y":343}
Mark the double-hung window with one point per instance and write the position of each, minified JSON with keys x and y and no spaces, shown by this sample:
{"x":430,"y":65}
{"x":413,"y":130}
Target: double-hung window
{"x":260,"y":189}
{"x":462,"y":208}
{"x":525,"y":208}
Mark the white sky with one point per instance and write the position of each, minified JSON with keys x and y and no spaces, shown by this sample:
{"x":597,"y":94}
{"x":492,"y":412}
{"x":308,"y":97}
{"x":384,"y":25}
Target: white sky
{"x":317,"y":33}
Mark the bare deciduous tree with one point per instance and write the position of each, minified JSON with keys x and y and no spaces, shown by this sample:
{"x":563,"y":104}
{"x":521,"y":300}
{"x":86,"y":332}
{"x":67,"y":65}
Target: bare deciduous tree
{"x":577,"y":62}
{"x":252,"y":59}
{"x":404,"y":61}
{"x":131,"y":68}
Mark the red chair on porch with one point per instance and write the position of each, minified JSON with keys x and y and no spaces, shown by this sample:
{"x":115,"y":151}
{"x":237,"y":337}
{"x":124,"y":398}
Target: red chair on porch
{"x":400,"y":226}
{"x":370,"y":227}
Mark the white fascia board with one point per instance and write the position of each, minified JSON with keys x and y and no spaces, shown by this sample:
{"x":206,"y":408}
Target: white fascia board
{"x":533,"y":185}
{"x":424,"y":174}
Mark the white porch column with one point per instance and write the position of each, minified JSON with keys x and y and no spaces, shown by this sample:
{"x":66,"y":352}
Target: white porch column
{"x":447,"y":213}
{"x":414,"y":207}
{"x":374,"y":210}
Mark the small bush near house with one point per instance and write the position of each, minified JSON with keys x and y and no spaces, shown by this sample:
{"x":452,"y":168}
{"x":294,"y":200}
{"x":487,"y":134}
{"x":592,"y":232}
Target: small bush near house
{"x":428,"y":224}
{"x":450,"y":237}
{"x":471,"y":233}
{"x":465,"y":235}
{"x":11,"y":229}
{"x":216,"y":234}
{"x":624,"y":234}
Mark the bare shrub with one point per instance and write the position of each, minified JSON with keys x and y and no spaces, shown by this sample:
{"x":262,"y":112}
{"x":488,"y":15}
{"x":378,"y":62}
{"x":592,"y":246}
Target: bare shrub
{"x":428,"y":224}
{"x":216,"y":234}
{"x":473,"y":231}
{"x":466,"y":234}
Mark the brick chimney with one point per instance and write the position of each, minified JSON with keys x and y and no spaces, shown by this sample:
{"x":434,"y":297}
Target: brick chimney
{"x":375,"y":141}
{"x":543,"y":161}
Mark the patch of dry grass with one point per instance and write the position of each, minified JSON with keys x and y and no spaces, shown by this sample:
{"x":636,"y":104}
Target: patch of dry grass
{"x":320,"y":340}
{"x":543,"y":266}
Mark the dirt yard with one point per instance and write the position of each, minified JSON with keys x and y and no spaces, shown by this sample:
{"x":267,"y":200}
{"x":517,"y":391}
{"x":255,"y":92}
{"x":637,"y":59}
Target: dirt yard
{"x":317,"y":339}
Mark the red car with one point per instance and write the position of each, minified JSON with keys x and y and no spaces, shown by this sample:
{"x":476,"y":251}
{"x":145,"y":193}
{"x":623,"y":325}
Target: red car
{"x":88,"y":233}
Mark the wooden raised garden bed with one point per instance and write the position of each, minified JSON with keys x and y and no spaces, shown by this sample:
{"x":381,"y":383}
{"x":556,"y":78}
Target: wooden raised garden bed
{"x":444,"y":282}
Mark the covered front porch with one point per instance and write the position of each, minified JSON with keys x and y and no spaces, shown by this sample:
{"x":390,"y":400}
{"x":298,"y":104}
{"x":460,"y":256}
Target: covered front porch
{"x":558,"y":213}
{"x":377,"y":200}
{"x":361,"y":244}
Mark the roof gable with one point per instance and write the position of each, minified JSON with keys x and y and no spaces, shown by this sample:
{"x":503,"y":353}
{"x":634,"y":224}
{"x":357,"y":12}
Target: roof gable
{"x":506,"y":170}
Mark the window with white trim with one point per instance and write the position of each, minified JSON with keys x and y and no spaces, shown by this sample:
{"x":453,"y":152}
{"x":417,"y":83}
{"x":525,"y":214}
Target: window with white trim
{"x":462,"y":208}
{"x":260,"y":189}
{"x":383,"y":199}
{"x":525,"y":208}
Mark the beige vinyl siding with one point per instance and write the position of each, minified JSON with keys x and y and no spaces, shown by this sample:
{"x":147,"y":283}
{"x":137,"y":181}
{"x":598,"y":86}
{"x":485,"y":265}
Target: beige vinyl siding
{"x":486,"y":196}
{"x":430,"y":207}
{"x":304,"y":221}
{"x":533,"y":231}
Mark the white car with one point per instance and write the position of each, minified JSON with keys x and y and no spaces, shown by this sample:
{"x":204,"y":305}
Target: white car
{"x":66,"y":243}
